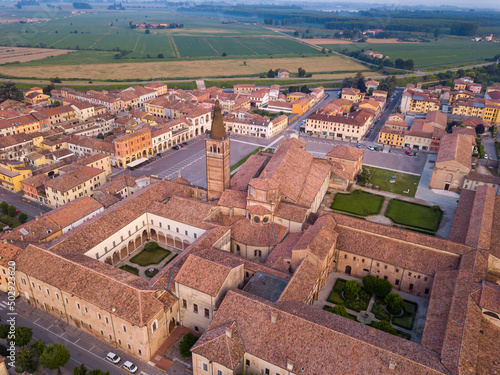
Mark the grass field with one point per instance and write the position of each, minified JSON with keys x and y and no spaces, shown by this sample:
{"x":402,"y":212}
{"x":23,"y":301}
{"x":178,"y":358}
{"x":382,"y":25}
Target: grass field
{"x":148,"y":257}
{"x":358,"y":202}
{"x":122,"y":70}
{"x":130,"y":269}
{"x":414,"y":215}
{"x":449,"y":51}
{"x":404,"y":182}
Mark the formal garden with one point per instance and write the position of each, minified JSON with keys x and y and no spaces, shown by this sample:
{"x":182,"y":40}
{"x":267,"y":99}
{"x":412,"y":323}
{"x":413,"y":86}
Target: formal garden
{"x":373,"y":303}
{"x":403,"y":214}
{"x":387,"y":180}
{"x":151,"y":255}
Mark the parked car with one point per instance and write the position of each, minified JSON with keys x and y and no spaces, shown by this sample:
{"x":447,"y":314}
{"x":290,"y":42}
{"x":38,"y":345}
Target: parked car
{"x":160,"y":154}
{"x":486,"y":156}
{"x":371,"y":148}
{"x":130,"y":367}
{"x":113,"y":358}
{"x":409,"y":153}
{"x":185,"y":143}
{"x":176,"y":147}
{"x":358,"y":146}
{"x":376,"y":149}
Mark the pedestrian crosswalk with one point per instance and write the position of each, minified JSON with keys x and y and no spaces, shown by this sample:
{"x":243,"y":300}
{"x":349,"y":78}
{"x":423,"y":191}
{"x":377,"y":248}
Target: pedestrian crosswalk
{"x":3,"y":305}
{"x":172,"y":171}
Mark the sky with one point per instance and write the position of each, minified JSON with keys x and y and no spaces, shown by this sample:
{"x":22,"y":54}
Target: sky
{"x":405,"y":3}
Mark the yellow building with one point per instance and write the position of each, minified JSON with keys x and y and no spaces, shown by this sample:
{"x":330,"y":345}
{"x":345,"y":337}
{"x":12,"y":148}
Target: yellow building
{"x":354,"y":95}
{"x":488,"y":110}
{"x":72,"y":185}
{"x":11,"y":175}
{"x":35,"y":95}
{"x":295,"y":96}
{"x":391,"y":137}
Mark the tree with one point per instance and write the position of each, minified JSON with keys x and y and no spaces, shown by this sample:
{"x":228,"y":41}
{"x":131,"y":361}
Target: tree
{"x":9,"y":90}
{"x":302,"y":72}
{"x":437,"y":32}
{"x":186,"y":344}
{"x":480,"y":129}
{"x":271,"y":74}
{"x":394,"y":303}
{"x":360,"y":82}
{"x":37,"y":348}
{"x":340,"y":310}
{"x":296,"y":34}
{"x":11,"y":210}
{"x":464,"y":28}
{"x":244,"y":63}
{"x":100,"y":136}
{"x":98,"y":372}
{"x":4,"y":206}
{"x":54,"y":356}
{"x":147,"y":32}
{"x":348,"y":82}
{"x":80,"y":370}
{"x":23,"y":335}
{"x":160,"y":56}
{"x":379,"y":287}
{"x":3,"y":351}
{"x":385,"y":326}
{"x":57,"y":103}
{"x":24,"y":361}
{"x":23,"y":218}
{"x":370,"y":91}
{"x":352,"y":288}
{"x":47,"y":89}
{"x":224,"y":54}
{"x":4,"y":331}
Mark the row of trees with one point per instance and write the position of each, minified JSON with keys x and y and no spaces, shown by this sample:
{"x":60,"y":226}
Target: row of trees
{"x":11,"y":210}
{"x":357,"y":82}
{"x":30,"y":354}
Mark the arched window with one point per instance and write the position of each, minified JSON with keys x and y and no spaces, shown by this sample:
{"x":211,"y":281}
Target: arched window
{"x":154,"y":326}
{"x":257,"y":253}
{"x":238,"y":248}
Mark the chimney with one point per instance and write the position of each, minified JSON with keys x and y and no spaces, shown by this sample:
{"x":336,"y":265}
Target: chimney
{"x":229,"y":332}
{"x":274,"y":317}
{"x":4,"y":241}
{"x":289,"y":364}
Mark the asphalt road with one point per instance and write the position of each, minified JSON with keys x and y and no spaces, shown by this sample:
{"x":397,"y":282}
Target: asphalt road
{"x":83,"y":347}
{"x":373,"y":137}
{"x":22,"y":204}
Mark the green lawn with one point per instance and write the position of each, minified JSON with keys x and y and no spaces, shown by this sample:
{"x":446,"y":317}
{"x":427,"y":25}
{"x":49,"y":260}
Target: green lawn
{"x":359,"y":203}
{"x":446,"y":51}
{"x":379,"y":311}
{"x":130,"y":269}
{"x":405,"y":321}
{"x":335,"y":295}
{"x":254,"y":152}
{"x":404,"y":182}
{"x":148,"y":257}
{"x":414,"y":215}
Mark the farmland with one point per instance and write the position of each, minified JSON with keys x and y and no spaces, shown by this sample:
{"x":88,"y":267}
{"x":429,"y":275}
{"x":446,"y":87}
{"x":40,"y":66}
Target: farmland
{"x":84,"y":67}
{"x":447,"y":51}
{"x":20,"y":54}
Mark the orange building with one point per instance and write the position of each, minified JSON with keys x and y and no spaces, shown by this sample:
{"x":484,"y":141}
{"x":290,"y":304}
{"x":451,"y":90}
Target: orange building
{"x":133,"y":146}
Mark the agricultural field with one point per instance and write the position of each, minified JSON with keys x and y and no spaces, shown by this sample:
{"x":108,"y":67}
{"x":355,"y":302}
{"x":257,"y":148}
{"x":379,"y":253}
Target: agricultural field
{"x":82,"y":65}
{"x":20,"y":54}
{"x":449,"y":51}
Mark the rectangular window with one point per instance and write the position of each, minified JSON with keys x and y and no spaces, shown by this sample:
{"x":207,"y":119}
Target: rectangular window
{"x":184,"y":304}
{"x":124,"y":328}
{"x":205,"y":367}
{"x":207,"y":313}
{"x":409,"y":273}
{"x":247,"y":362}
{"x":78,"y":306}
{"x":397,"y":282}
{"x":107,"y":320}
{"x":99,"y":316}
{"x":86,"y":310}
{"x":411,"y":286}
{"x":195,"y":308}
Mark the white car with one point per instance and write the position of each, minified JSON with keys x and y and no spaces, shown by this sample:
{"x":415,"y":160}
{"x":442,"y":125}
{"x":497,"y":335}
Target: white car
{"x":371,"y":148}
{"x":130,"y":367}
{"x":486,"y":156}
{"x":113,"y":358}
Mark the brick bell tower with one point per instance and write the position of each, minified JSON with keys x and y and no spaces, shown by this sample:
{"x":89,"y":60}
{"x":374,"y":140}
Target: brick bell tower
{"x":218,"y":161}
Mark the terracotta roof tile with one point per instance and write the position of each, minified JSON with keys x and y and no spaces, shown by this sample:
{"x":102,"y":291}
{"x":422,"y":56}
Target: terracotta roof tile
{"x":346,"y":152}
{"x":250,"y":169}
{"x":316,"y":340}
{"x":455,"y":147}
{"x":301,"y":286}
{"x":233,"y":198}
{"x":252,"y":234}
{"x":114,"y":290}
{"x":8,"y":253}
{"x":184,"y":210}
